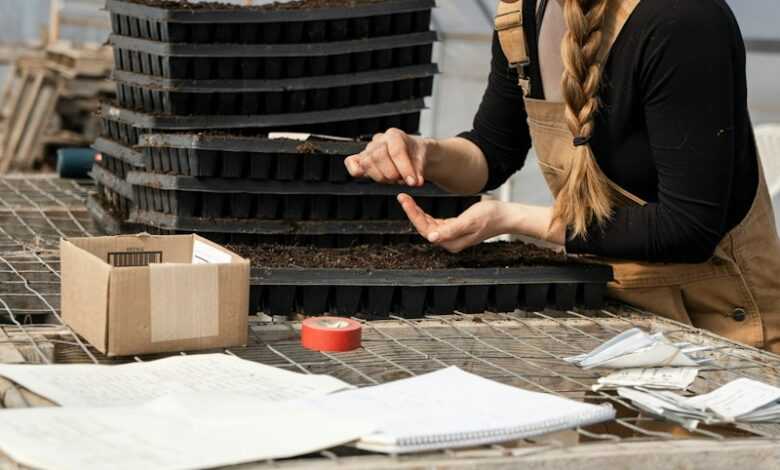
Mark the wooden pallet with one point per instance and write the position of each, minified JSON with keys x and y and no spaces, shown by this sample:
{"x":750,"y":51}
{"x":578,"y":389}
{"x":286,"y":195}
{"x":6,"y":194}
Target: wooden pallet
{"x":36,"y":88}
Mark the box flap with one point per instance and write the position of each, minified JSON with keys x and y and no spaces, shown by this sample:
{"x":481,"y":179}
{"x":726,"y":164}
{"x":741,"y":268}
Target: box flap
{"x":84,"y":293}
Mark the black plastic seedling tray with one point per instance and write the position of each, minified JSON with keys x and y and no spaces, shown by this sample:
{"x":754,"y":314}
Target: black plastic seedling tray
{"x":256,"y":158}
{"x":290,"y":201}
{"x":321,"y":233}
{"x":123,"y":133}
{"x":114,"y":182}
{"x":411,"y":293}
{"x":348,"y":122}
{"x":117,"y":158}
{"x":325,"y":234}
{"x":270,"y":62}
{"x":232,"y":24}
{"x":259,"y":97}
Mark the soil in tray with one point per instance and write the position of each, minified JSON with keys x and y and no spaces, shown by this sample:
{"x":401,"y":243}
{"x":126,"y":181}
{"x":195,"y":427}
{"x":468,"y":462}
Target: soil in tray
{"x":413,"y":257}
{"x":292,"y":5}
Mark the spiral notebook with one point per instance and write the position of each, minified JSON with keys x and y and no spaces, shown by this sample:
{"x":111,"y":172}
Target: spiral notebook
{"x":452,"y":408}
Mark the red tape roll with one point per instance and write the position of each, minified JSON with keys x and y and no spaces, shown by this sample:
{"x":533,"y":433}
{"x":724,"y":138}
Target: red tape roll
{"x":331,"y":334}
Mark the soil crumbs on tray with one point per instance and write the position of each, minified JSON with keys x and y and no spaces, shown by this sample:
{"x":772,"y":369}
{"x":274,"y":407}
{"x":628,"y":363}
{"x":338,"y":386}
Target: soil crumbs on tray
{"x":411,"y":257}
{"x":290,"y":5}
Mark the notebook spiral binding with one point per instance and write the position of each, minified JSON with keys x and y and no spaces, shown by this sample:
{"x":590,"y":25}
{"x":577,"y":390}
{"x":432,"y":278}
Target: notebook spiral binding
{"x":503,"y":434}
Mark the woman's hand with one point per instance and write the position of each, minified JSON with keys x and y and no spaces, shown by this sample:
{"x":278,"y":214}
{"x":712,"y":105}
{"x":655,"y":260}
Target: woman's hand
{"x":479,"y":222}
{"x":393,"y":157}
{"x":484,"y":220}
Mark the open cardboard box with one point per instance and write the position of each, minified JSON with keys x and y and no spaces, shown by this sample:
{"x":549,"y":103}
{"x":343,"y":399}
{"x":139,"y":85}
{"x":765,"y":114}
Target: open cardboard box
{"x":141,"y":294}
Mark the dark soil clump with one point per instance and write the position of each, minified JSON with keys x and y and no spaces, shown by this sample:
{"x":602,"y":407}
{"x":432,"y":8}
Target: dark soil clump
{"x":411,"y":257}
{"x":292,"y":5}
{"x":307,"y":148}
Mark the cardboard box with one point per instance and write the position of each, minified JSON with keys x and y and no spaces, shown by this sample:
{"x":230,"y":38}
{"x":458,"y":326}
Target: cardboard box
{"x":141,"y":294}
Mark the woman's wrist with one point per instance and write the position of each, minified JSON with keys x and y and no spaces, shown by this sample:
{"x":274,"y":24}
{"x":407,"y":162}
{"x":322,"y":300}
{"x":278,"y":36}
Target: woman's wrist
{"x":434,"y":159}
{"x":455,"y":164}
{"x":531,"y":221}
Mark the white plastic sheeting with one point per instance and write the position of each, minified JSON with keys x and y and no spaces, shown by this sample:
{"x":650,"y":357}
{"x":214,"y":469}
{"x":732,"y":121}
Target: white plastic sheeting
{"x":768,"y":140}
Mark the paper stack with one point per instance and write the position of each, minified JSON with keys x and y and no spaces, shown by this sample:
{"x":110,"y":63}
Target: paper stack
{"x":657,"y":378}
{"x":743,"y":400}
{"x":636,"y":349}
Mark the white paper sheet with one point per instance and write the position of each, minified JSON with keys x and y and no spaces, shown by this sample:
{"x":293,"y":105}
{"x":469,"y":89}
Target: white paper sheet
{"x":102,"y":385}
{"x":171,"y":433}
{"x":207,"y":254}
{"x":664,"y":378}
{"x":736,"y":398}
{"x":742,"y":400}
{"x":303,"y":137}
{"x":452,"y":408}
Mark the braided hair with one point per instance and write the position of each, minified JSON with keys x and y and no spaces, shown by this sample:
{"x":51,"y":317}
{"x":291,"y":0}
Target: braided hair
{"x":585,"y":195}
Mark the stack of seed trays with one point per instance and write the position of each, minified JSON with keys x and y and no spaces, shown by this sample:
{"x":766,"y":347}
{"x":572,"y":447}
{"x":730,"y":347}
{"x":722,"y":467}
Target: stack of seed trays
{"x":338,"y":67}
{"x":255,"y":186}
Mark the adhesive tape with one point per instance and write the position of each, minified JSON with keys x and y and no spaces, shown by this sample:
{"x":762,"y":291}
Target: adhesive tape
{"x":331,"y":334}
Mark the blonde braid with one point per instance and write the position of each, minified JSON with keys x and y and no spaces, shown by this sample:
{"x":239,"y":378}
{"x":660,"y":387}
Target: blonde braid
{"x":585,"y":194}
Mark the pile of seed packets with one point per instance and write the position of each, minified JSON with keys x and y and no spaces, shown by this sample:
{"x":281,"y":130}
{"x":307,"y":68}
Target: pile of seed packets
{"x":740,"y":401}
{"x":636,"y":348}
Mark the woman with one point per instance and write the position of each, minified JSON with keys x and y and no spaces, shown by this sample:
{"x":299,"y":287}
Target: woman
{"x":638,"y":114}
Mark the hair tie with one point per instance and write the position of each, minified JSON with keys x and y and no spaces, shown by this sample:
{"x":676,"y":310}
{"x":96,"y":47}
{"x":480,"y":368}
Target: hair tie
{"x":579,"y":141}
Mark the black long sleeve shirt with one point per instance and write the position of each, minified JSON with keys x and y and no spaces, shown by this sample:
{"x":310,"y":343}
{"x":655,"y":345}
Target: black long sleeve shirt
{"x":673,"y":129}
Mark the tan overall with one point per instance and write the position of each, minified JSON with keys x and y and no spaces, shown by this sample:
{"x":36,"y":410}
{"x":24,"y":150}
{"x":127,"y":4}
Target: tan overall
{"x":735,"y":294}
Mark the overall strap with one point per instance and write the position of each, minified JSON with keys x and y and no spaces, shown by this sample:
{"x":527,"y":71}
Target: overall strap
{"x":511,"y":35}
{"x":515,"y":43}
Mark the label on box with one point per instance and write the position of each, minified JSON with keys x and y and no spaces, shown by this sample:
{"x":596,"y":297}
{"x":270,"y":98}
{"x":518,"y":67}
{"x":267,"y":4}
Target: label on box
{"x":207,"y":254}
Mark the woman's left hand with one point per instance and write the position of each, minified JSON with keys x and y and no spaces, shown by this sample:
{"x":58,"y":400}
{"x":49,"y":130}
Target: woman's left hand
{"x":483,"y":220}
{"x":478,"y":223}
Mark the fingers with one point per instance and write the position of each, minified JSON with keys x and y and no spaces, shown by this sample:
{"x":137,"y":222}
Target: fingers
{"x":397,"y":146}
{"x":454,"y":235}
{"x":450,"y":231}
{"x":354,"y":166}
{"x":387,"y":159}
{"x":423,"y":222}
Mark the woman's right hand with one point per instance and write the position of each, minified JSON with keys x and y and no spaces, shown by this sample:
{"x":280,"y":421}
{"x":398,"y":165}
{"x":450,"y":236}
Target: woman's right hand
{"x":393,"y":157}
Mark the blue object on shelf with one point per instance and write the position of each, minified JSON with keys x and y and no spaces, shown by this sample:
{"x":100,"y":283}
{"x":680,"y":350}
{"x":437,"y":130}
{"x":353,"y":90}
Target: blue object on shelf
{"x":75,"y":162}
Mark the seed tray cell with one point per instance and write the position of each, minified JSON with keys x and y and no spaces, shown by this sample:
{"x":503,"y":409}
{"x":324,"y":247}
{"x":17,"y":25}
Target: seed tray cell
{"x":349,"y":122}
{"x":268,"y":25}
{"x":248,"y":158}
{"x":244,"y":100}
{"x":415,"y":293}
{"x":289,"y":207}
{"x":224,"y":67}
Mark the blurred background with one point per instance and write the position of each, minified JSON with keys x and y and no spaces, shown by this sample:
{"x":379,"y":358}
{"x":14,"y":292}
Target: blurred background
{"x":463,"y":55}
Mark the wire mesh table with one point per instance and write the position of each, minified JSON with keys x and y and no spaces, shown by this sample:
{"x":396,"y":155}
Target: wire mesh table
{"x":525,"y":349}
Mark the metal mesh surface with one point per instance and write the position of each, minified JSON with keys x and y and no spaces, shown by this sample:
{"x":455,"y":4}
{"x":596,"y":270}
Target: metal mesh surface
{"x":525,"y":349}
